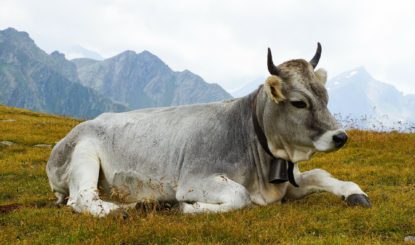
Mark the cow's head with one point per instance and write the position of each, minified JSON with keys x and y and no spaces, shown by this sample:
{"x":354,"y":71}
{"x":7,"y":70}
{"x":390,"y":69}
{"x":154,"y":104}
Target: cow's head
{"x":295,"y":116}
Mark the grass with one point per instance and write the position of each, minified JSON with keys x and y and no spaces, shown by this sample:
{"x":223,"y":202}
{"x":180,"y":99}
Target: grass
{"x":381,"y":163}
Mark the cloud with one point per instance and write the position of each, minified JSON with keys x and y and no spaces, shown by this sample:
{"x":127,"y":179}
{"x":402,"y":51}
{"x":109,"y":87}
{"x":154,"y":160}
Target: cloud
{"x":226,"y":41}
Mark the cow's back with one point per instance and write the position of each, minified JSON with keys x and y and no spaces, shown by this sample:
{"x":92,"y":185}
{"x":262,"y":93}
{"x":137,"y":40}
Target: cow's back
{"x":169,"y":142}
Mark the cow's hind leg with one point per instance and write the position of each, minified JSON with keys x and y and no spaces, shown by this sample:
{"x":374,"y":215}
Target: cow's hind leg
{"x":317,"y":180}
{"x":216,"y":193}
{"x":83,"y":181}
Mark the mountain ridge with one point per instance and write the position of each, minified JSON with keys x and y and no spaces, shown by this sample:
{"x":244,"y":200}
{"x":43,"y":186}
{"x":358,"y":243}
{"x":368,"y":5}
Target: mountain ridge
{"x":32,"y":79}
{"x":144,"y":80}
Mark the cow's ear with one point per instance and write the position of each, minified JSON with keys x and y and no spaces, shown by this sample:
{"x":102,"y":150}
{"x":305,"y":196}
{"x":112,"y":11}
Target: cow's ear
{"x":273,"y":88}
{"x":321,"y":75}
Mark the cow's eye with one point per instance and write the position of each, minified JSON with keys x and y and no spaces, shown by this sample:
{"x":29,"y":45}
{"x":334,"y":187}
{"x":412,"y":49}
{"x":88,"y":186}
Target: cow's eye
{"x":298,"y":103}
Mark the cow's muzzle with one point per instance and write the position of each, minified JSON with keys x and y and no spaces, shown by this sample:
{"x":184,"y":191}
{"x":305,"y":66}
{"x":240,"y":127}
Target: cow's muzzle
{"x":331,"y":140}
{"x":339,"y":140}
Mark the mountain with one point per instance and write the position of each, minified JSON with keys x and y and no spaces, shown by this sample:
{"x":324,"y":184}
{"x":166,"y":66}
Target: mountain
{"x":32,"y":79}
{"x":356,"y":94}
{"x":143,"y":80}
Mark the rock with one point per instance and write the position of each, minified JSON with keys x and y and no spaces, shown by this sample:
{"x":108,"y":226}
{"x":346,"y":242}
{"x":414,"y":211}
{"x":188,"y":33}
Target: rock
{"x":43,"y":146}
{"x":7,"y":143}
{"x":409,"y":239}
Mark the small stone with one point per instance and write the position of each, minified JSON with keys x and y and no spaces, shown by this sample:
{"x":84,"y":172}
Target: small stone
{"x":409,"y":238}
{"x":7,"y":143}
{"x":43,"y":146}
{"x":7,"y":120}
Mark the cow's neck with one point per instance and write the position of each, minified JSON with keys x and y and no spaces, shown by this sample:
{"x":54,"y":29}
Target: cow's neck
{"x":278,"y":148}
{"x":294,"y":154}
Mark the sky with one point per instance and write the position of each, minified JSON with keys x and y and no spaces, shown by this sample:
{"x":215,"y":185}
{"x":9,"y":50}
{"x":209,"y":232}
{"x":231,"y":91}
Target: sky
{"x":226,"y":41}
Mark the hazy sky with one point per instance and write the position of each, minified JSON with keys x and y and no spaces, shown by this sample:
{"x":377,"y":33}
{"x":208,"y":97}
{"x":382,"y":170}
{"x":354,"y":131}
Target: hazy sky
{"x":226,"y":41}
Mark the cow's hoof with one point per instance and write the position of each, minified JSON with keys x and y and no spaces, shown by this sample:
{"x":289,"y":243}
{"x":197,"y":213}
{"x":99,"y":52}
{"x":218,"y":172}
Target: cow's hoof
{"x":358,"y":200}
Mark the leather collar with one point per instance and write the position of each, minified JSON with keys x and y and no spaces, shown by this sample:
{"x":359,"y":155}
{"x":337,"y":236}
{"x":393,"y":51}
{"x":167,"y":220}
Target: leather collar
{"x":280,"y":170}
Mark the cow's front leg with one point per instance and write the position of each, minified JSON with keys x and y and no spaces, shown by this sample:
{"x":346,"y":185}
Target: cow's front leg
{"x":215,"y":193}
{"x":317,"y":180}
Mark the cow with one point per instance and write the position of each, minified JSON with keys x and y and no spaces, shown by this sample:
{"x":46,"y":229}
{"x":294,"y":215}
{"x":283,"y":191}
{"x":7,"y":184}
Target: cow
{"x":212,"y":157}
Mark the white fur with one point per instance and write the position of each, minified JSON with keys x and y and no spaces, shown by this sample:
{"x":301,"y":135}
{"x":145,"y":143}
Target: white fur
{"x":317,"y":180}
{"x":83,"y":180}
{"x":220,"y":194}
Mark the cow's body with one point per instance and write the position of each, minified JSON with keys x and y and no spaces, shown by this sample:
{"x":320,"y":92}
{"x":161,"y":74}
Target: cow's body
{"x":156,"y":154}
{"x":207,"y":157}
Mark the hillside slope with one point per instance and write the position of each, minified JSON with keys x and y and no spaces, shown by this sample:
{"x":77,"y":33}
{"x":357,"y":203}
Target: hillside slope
{"x":381,"y":163}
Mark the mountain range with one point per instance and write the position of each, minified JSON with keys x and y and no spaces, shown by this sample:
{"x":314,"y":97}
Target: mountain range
{"x":143,"y":80}
{"x":84,"y":88}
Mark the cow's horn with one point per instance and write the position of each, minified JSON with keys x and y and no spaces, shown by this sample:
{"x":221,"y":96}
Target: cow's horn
{"x":271,"y":67}
{"x":316,"y":58}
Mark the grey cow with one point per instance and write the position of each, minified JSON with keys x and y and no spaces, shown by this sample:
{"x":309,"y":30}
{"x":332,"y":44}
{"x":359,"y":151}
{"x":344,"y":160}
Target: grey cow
{"x":208,"y":157}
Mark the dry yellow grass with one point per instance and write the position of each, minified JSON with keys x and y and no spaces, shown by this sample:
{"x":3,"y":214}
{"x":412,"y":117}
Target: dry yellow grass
{"x":381,"y":163}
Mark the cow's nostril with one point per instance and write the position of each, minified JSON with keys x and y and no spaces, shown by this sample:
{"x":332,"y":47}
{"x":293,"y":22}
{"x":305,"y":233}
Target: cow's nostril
{"x":339,"y":139}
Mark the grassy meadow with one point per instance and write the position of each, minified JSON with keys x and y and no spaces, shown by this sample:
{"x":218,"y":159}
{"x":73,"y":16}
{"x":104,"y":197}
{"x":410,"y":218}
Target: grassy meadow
{"x":383,"y":164}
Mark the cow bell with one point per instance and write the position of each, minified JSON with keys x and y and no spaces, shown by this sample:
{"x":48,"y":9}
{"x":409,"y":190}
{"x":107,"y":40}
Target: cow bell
{"x":278,"y":171}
